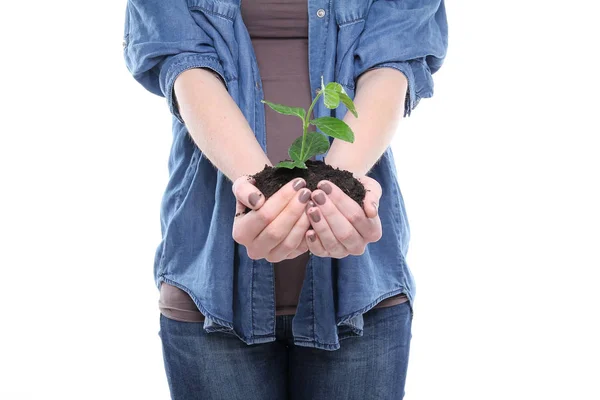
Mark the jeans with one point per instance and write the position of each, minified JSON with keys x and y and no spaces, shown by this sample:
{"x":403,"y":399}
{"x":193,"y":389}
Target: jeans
{"x":217,"y":365}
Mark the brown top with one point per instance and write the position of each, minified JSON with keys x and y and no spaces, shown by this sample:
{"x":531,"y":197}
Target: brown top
{"x":279,"y":33}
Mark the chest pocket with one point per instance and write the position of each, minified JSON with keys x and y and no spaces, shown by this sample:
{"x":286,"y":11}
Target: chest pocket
{"x":350,"y":19}
{"x":216,"y":19}
{"x":347,"y":40}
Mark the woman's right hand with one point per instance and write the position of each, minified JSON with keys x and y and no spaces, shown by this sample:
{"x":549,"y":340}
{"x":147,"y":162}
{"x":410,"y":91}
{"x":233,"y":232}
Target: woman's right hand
{"x":274,"y":229}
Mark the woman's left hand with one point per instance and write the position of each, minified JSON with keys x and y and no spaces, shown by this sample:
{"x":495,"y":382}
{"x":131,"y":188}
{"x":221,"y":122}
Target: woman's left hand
{"x":343,"y":227}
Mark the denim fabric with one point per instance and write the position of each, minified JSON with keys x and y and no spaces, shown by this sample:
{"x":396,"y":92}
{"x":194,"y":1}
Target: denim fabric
{"x":197,"y":252}
{"x":201,"y":365}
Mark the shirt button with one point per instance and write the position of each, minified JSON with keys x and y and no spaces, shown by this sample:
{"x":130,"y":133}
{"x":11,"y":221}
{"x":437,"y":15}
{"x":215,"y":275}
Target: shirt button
{"x":320,"y":13}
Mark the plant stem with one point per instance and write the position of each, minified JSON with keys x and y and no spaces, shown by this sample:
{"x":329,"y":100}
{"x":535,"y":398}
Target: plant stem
{"x":305,"y":124}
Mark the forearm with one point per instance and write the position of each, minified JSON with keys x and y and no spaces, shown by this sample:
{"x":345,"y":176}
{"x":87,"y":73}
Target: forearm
{"x":379,"y":100}
{"x":217,"y":125}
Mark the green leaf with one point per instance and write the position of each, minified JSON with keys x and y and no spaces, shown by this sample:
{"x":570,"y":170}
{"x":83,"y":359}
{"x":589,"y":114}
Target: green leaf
{"x":334,"y":127}
{"x":331,"y":99}
{"x":334,"y":87}
{"x":281,"y":109}
{"x":331,"y":95}
{"x":295,"y":150}
{"x":291,"y":165}
{"x":348,"y":103}
{"x":314,"y":144}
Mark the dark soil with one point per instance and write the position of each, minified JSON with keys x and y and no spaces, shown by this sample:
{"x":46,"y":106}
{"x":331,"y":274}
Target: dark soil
{"x":271,"y":179}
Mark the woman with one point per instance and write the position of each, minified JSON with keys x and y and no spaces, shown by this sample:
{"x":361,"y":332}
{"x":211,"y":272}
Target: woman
{"x":255,"y":305}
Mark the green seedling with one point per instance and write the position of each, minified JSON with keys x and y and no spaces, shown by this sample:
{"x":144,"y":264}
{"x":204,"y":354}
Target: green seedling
{"x":313,"y":143}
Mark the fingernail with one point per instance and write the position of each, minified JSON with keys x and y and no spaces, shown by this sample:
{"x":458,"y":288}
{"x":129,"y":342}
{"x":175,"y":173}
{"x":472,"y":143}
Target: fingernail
{"x":299,"y":184}
{"x":311,"y":238}
{"x":253,"y":199}
{"x":304,"y":196}
{"x":376,"y":208}
{"x":320,"y":199}
{"x":309,"y":205}
{"x":315,"y":216}
{"x":326,"y":187}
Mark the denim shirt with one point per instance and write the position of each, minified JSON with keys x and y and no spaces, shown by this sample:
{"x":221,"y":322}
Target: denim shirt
{"x":197,"y":253}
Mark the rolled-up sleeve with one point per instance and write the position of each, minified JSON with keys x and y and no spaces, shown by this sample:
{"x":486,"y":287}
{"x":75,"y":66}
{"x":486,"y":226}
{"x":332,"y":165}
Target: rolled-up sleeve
{"x":161,"y":40}
{"x":408,"y":35}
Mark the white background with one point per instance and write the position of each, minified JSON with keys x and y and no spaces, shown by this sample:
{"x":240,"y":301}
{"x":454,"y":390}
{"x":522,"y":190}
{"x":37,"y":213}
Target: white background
{"x":499,"y":172}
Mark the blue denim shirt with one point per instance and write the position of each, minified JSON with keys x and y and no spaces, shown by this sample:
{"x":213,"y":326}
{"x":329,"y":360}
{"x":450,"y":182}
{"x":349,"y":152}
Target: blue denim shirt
{"x":197,"y":252}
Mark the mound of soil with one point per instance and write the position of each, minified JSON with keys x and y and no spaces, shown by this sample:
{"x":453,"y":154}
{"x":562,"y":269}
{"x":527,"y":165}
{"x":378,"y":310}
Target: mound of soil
{"x":271,"y":179}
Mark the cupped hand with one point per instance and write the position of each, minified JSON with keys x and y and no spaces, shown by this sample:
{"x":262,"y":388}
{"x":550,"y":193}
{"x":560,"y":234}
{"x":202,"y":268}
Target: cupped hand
{"x":273,"y":229}
{"x":342,"y":226}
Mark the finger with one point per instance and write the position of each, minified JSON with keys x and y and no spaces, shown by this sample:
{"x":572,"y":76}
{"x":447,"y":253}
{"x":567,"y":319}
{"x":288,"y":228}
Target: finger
{"x":372,"y":196}
{"x":279,"y":229}
{"x":293,"y":239}
{"x":354,"y":213}
{"x":303,"y":246}
{"x":301,"y":249}
{"x":314,"y":244}
{"x":324,"y":232}
{"x":240,"y":208}
{"x":245,"y":192}
{"x":256,"y":220}
{"x":343,"y":230}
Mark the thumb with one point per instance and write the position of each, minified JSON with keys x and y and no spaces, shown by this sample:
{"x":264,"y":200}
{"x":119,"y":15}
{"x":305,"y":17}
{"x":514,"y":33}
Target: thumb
{"x":246,"y":194}
{"x":372,"y":196}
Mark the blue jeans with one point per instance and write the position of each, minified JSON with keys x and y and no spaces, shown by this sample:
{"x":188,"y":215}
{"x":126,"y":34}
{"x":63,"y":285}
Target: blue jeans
{"x":201,"y":365}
